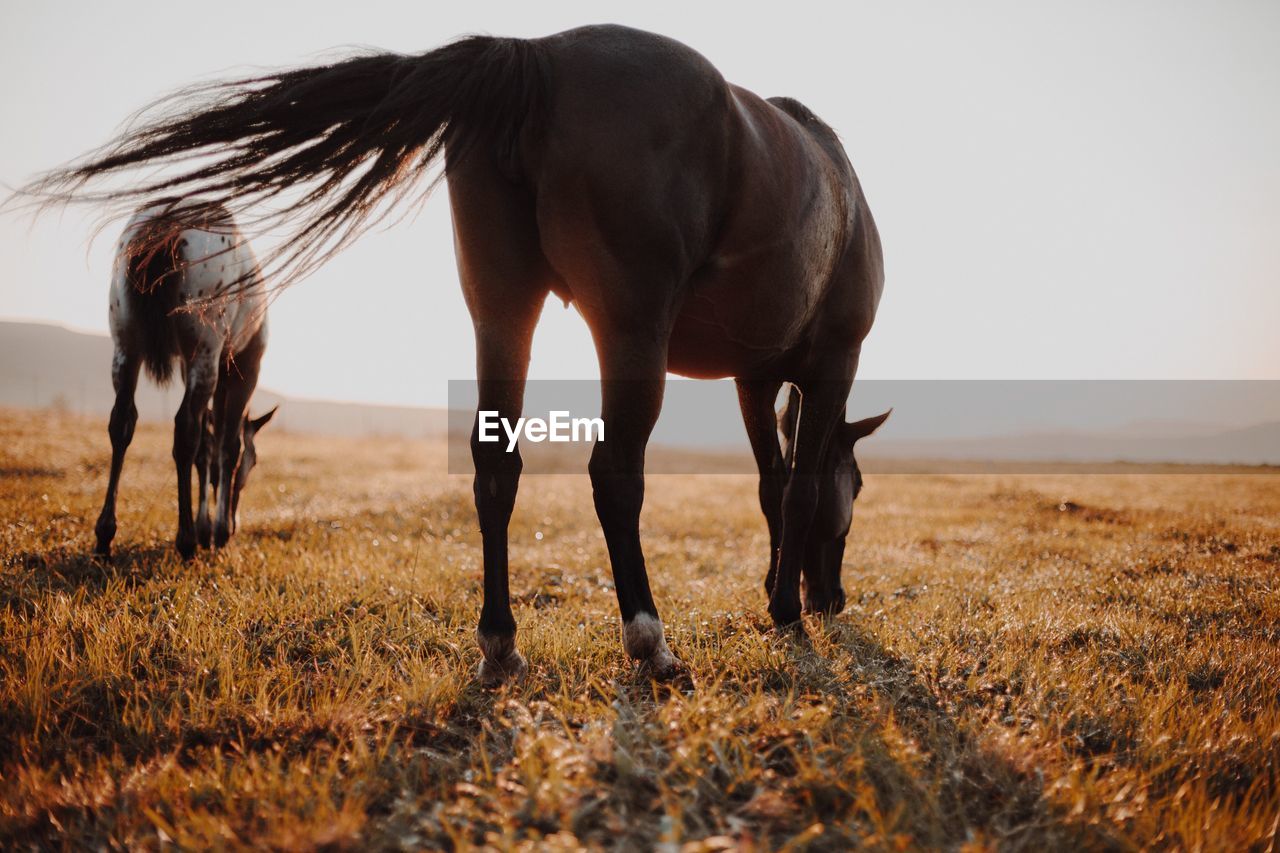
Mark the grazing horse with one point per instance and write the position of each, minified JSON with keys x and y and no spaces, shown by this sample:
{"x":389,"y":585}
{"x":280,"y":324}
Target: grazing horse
{"x":699,"y":228}
{"x":185,"y":287}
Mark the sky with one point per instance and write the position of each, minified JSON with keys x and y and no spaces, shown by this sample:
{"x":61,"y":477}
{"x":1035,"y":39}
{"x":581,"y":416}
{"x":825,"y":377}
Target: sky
{"x":1074,"y":190}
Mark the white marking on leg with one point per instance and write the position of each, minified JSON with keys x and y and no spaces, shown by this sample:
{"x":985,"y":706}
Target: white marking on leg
{"x":222,"y":510}
{"x":496,"y":647}
{"x":644,"y":640}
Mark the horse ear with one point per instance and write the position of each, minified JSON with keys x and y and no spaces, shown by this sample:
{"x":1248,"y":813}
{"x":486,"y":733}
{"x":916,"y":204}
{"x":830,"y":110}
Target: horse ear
{"x":788,"y":415}
{"x":261,"y":421}
{"x":864,"y":427}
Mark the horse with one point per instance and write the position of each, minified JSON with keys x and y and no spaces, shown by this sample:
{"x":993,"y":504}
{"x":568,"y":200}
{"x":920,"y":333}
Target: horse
{"x":172,"y":299}
{"x":699,"y":229}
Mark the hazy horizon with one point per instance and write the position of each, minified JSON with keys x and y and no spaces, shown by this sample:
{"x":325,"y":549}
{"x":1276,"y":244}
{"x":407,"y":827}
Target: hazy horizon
{"x":937,"y":426}
{"x":1088,"y":191}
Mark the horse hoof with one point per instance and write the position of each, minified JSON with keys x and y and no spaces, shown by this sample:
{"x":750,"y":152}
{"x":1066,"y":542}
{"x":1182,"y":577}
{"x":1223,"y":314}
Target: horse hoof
{"x":186,"y":548}
{"x":665,"y":668}
{"x":499,"y":660}
{"x":204,"y":537}
{"x":221,"y":537}
{"x":103,"y":551}
{"x":494,"y":673}
{"x":828,"y":608}
{"x":793,"y":629}
{"x":786,"y":618}
{"x":646,"y":642}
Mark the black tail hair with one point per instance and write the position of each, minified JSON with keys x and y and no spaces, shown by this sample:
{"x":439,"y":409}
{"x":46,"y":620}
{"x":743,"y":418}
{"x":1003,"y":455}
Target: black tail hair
{"x":333,"y":147}
{"x":151,"y":295}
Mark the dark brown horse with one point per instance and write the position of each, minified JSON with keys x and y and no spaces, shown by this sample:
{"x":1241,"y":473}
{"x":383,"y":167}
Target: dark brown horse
{"x":699,"y":229}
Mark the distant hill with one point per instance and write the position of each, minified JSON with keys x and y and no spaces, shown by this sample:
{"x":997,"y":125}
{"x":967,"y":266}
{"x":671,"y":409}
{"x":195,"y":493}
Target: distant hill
{"x":1256,"y":445}
{"x":45,"y":366}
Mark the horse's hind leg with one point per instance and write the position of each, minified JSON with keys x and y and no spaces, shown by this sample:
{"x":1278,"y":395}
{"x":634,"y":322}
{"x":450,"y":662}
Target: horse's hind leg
{"x":124,"y":417}
{"x":502,"y":355}
{"x":505,"y":280}
{"x":634,"y":364}
{"x":201,"y":375}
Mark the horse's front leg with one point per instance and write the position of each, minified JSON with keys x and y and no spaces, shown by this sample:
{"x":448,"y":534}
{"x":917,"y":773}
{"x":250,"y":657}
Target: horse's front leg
{"x":204,"y":531}
{"x":201,"y":375}
{"x":124,"y":417}
{"x":236,"y":383}
{"x":633,"y":367}
{"x":822,"y":407}
{"x":756,"y":399}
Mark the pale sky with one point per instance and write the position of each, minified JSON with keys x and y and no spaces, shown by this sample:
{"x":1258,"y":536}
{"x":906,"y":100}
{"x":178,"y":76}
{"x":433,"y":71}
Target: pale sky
{"x":1072,"y":190}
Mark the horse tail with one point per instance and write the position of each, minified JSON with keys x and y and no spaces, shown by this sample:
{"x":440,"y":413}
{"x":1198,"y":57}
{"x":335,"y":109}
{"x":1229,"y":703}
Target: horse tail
{"x":323,"y":152}
{"x":152,"y":294}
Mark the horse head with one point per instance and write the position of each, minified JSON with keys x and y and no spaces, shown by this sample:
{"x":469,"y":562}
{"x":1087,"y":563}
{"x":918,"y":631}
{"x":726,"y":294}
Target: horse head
{"x":248,"y":459}
{"x":839,"y":483}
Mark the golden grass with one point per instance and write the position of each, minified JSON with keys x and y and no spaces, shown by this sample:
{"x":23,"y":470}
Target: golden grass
{"x":1026,"y":662}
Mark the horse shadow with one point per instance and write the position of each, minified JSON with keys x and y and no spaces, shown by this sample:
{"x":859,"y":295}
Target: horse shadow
{"x":952,"y":788}
{"x":32,"y":574}
{"x":975,"y":791}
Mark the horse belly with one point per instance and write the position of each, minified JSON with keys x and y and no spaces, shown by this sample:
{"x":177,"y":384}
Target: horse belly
{"x":737,"y":319}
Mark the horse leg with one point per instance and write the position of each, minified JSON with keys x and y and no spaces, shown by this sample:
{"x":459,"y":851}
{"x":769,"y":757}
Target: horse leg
{"x":238,"y":377}
{"x":822,"y":408}
{"x":124,"y":417}
{"x":756,"y":399}
{"x":212,"y":438}
{"x":505,"y":280}
{"x":201,"y":375}
{"x":630,"y":408}
{"x":502,"y":363}
{"x":203,"y":453}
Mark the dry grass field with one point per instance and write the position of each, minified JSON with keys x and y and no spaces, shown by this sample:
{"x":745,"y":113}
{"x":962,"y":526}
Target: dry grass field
{"x":1054,"y":662}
